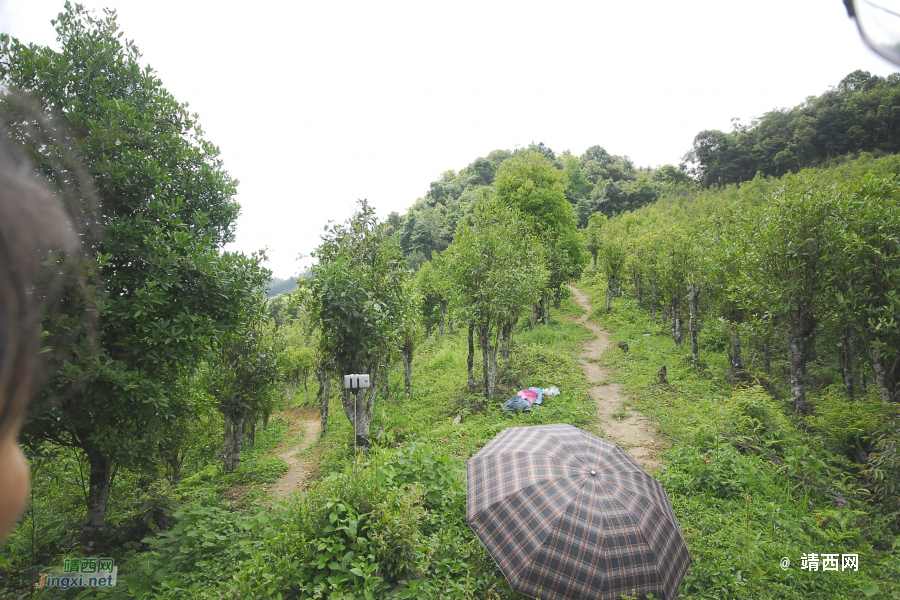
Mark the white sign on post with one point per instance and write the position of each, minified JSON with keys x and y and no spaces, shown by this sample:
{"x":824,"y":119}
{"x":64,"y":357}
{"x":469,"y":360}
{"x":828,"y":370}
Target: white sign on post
{"x":356,"y":382}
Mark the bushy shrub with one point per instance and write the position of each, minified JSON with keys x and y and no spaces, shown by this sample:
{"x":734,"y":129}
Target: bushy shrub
{"x":722,"y":472}
{"x":357,"y":533}
{"x":751,"y":416}
{"x":849,"y":427}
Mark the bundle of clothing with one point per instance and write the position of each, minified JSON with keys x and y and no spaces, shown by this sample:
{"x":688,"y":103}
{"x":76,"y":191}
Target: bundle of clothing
{"x":525,"y":400}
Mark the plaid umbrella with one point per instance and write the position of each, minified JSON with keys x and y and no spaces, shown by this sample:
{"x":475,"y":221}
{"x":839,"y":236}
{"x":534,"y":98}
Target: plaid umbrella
{"x":566,"y":514}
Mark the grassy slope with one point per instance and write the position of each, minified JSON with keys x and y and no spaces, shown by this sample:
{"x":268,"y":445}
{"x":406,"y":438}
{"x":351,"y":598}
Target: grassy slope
{"x":410,"y":488}
{"x":740,"y":510}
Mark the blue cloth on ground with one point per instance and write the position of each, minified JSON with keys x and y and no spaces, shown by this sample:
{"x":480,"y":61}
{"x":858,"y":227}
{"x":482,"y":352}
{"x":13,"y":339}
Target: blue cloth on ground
{"x":540,"y":397}
{"x":516,"y":404}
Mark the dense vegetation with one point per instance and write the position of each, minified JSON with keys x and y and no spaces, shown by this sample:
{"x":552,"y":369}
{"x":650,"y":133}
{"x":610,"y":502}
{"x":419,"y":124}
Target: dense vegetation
{"x":861,"y":114}
{"x":771,"y":302}
{"x":751,"y":482}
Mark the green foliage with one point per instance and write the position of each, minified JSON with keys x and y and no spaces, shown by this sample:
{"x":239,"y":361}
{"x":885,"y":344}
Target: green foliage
{"x":847,"y":426}
{"x":532,"y":185}
{"x":868,"y":273}
{"x":431,"y":287}
{"x":857,"y":115}
{"x":165,"y":207}
{"x":356,"y":291}
{"x":751,"y":484}
{"x":494,"y":271}
{"x":752,"y":415}
{"x":883,"y":468}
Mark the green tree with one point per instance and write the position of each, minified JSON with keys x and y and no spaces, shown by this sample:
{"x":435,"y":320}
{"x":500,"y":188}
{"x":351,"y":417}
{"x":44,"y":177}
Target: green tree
{"x":166,"y":208}
{"x":868,"y":274}
{"x":790,"y":247}
{"x":356,"y":290}
{"x":242,"y":373}
{"x":410,"y":325}
{"x":612,"y":254}
{"x":577,"y":186}
{"x":495,"y":271}
{"x":430,"y":288}
{"x":530,"y":183}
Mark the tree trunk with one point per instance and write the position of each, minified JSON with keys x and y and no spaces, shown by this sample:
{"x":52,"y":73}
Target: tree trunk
{"x":305,"y":388}
{"x":547,"y":311}
{"x":488,"y":361}
{"x":557,"y":300}
{"x":175,"y":461}
{"x":735,"y":359}
{"x":450,"y":324}
{"x":534,"y":314}
{"x":322,"y":396}
{"x":653,"y":301}
{"x":879,"y":373}
{"x":287,"y":390}
{"x":470,"y":360}
{"x":507,"y":333}
{"x":265,"y":420}
{"x":443,"y":314}
{"x":799,"y":354}
{"x":693,"y":300}
{"x":676,"y":322}
{"x":101,"y":470}
{"x":407,"y":354}
{"x":846,"y":359}
{"x":235,"y":425}
{"x":609,"y":295}
{"x":252,"y":432}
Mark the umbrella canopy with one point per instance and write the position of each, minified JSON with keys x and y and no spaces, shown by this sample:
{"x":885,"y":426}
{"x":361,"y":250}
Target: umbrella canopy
{"x":566,"y":514}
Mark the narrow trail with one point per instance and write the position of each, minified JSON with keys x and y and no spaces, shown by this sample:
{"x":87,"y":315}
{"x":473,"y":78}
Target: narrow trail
{"x":634,"y":432}
{"x":299,"y":469}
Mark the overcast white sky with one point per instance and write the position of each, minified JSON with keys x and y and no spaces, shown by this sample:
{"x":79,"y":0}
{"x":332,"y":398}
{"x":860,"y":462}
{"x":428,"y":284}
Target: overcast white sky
{"x":316,"y":104}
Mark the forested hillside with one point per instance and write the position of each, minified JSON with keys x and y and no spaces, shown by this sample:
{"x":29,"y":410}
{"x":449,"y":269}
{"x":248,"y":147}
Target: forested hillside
{"x":596,"y":181}
{"x":754,"y":308}
{"x":860,"y":114}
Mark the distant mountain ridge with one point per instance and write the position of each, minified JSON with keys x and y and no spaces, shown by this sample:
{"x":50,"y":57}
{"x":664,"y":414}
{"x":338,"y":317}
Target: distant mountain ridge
{"x":281,"y":286}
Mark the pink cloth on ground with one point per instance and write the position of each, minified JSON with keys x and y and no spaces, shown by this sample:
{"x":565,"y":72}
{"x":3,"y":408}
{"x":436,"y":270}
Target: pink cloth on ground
{"x":529,"y":395}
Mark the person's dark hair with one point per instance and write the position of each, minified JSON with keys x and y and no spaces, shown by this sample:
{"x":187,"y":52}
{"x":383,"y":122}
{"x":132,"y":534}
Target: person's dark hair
{"x":33,"y":227}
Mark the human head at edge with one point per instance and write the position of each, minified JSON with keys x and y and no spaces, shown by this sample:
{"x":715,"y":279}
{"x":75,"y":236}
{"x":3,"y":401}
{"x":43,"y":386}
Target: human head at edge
{"x":32,"y":224}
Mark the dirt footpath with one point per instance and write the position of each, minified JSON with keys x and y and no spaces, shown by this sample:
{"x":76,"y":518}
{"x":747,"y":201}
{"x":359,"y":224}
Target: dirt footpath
{"x":627,"y":427}
{"x":299,"y":469}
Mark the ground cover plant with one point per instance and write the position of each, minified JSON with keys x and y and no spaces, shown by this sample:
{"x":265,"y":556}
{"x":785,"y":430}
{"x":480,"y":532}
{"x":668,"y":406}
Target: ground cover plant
{"x":751,"y":482}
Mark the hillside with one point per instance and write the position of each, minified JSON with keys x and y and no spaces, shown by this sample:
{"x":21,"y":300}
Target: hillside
{"x":733,"y":323}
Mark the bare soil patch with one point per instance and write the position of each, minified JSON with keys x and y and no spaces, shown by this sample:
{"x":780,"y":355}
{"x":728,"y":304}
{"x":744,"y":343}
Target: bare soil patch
{"x":625,"y":426}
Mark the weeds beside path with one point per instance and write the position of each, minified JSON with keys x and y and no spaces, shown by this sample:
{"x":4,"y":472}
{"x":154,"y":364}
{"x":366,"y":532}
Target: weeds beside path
{"x":627,"y":427}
